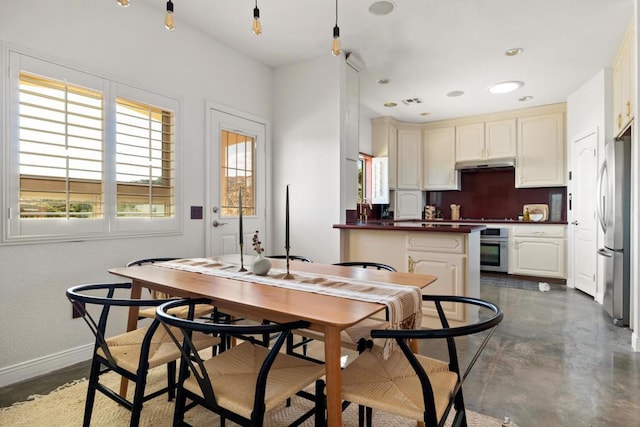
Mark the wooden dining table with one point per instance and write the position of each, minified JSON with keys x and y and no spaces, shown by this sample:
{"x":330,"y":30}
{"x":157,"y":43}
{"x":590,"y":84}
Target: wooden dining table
{"x":325,"y":313}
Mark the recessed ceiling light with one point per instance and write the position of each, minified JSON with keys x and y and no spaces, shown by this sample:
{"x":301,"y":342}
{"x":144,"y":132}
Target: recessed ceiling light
{"x":525,"y":98}
{"x":390,"y":104}
{"x":383,"y":81}
{"x":505,"y":87}
{"x":455,"y":93}
{"x":513,"y":51}
{"x":382,"y":7}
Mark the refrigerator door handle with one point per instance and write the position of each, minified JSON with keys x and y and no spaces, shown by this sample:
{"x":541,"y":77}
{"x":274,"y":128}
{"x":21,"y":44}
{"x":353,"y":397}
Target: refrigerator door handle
{"x":604,"y":253}
{"x":602,"y":198}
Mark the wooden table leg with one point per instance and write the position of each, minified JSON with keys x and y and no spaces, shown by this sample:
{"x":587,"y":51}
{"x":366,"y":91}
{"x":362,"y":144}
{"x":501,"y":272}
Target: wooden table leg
{"x":132,"y":323}
{"x":333,"y":376}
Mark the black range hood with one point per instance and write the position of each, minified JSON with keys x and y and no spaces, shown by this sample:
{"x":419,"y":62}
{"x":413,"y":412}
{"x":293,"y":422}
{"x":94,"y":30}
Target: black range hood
{"x":486,"y":164}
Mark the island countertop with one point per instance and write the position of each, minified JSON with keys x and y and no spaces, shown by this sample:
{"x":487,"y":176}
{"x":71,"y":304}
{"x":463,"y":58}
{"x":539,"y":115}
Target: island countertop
{"x":410,"y":225}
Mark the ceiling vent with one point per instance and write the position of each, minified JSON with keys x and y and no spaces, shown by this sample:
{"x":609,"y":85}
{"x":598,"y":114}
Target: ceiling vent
{"x":412,"y":101}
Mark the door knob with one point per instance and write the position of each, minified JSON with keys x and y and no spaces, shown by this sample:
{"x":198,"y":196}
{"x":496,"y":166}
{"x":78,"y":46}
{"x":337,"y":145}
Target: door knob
{"x":575,"y":222}
{"x":218,"y":224}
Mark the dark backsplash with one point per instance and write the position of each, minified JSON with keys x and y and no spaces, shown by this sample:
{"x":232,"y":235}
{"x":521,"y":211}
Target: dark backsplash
{"x":491,"y":194}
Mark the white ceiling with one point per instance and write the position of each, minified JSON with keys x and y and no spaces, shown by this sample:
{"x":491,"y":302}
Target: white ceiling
{"x":428,"y":48}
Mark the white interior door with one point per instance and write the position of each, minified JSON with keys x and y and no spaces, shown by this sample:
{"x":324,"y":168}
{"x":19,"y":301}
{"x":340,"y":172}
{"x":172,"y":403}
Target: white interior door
{"x":584,"y":222}
{"x":236,"y":161}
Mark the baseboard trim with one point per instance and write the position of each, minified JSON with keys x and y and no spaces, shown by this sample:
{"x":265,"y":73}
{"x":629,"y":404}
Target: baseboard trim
{"x":43,"y":365}
{"x":635,"y":341}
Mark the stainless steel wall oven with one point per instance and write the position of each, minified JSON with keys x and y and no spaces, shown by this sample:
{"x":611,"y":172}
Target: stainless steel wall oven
{"x":494,"y":249}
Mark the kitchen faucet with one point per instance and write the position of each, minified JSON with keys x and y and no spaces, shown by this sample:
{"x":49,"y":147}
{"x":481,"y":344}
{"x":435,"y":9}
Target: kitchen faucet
{"x":363,"y":213}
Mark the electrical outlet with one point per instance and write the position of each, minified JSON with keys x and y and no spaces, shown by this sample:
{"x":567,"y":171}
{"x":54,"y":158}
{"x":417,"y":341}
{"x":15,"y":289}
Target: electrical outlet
{"x":75,"y":312}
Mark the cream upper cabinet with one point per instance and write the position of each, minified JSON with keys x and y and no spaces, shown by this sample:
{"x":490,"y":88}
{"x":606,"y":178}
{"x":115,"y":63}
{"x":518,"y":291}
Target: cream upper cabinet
{"x":541,"y":151}
{"x":484,"y":141}
{"x":500,"y":139}
{"x":470,"y":142}
{"x":408,"y":204}
{"x":439,"y":151}
{"x":624,"y":83}
{"x":409,"y":160}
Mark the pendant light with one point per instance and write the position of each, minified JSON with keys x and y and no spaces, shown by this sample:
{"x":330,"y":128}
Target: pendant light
{"x":335,"y":45}
{"x":123,"y":3}
{"x":257,"y":27}
{"x":168,"y":19}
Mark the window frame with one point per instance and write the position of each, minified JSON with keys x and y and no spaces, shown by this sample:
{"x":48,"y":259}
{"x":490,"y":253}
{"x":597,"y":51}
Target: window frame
{"x":16,"y":230}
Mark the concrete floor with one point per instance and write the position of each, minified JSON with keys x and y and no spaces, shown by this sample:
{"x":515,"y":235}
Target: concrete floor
{"x":556,"y":360}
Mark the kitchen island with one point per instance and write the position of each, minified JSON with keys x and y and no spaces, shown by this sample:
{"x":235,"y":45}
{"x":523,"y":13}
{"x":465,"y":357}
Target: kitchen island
{"x":449,"y":251}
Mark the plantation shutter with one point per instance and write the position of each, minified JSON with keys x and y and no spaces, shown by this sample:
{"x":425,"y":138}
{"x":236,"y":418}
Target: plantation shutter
{"x":61,"y":133}
{"x":144,"y":160}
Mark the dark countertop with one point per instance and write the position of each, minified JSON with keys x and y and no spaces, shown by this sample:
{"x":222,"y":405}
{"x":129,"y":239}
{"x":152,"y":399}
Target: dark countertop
{"x":411,"y":225}
{"x":494,"y":221}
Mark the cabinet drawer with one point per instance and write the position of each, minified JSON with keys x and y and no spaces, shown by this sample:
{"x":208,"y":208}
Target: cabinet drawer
{"x":539,"y":230}
{"x":434,"y":242}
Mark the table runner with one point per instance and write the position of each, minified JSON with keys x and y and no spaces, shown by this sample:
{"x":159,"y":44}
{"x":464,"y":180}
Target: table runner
{"x":404,"y":303}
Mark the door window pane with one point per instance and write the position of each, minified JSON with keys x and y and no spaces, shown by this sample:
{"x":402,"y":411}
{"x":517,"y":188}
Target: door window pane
{"x":237,"y":162}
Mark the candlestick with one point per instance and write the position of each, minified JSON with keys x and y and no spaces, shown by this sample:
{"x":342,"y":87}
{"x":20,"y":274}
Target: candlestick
{"x":241,"y":238}
{"x":286,"y":222}
{"x":286,"y":235}
{"x":240,"y":216}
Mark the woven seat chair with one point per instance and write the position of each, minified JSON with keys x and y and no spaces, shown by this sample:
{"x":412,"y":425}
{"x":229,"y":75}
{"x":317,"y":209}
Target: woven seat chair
{"x":243,"y":382}
{"x":130,"y":354}
{"x":413,"y":385}
{"x":353,"y":338}
{"x":150,"y":312}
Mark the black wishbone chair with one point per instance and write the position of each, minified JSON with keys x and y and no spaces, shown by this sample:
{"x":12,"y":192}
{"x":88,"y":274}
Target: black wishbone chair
{"x":246,"y":381}
{"x":353,"y":338}
{"x":130,"y":354}
{"x":413,"y":385}
{"x":291,"y":257}
{"x":367,"y":264}
{"x":150,"y":312}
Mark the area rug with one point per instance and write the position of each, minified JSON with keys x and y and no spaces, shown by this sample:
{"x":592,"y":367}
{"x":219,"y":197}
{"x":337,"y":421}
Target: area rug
{"x":65,"y":406}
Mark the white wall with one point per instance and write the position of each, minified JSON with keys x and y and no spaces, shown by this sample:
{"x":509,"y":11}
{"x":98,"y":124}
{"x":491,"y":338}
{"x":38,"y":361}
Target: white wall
{"x":306,"y":155}
{"x":132,"y":46}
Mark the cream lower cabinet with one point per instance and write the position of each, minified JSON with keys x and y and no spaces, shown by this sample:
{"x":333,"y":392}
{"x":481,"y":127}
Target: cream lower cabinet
{"x":447,"y":256}
{"x":453,"y":257}
{"x":451,"y":278}
{"x":538,"y":251}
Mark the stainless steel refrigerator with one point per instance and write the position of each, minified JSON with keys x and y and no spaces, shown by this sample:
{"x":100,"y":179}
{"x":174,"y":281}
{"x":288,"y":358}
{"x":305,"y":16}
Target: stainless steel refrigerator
{"x":614,"y":184}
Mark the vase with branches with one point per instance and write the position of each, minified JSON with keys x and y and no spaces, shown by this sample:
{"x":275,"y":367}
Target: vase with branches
{"x":261,"y":265}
